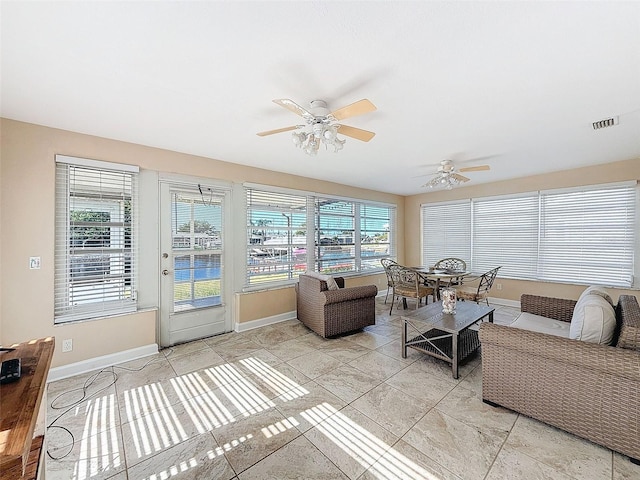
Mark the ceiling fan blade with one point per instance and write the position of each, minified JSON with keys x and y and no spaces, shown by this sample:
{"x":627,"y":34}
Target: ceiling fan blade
{"x":460,"y":178}
{"x":293,"y":107}
{"x":278,"y":130}
{"x":357,"y":133}
{"x":358,"y":108}
{"x":477,"y":168}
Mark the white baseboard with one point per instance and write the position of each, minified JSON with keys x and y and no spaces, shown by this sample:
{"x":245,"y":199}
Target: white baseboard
{"x":58,"y":373}
{"x":261,"y":322}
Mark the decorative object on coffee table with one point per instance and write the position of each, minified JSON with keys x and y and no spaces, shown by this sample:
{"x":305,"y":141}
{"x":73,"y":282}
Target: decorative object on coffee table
{"x":448,"y":296}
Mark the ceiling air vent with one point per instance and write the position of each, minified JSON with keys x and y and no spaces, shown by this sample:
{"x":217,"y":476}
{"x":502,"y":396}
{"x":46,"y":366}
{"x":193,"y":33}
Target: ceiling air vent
{"x":607,"y":122}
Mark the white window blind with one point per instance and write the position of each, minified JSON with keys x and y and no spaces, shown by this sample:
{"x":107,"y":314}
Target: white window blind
{"x":376,"y":232}
{"x":289,"y":233}
{"x":276,"y":236}
{"x":581,"y":236}
{"x":446,"y":232}
{"x":505,"y":233}
{"x":335,"y":236}
{"x":95,"y":248}
{"x":588,"y":236}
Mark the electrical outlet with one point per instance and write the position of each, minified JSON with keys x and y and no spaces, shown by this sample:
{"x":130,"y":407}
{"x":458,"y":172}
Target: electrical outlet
{"x":67,"y":345}
{"x":499,"y":286}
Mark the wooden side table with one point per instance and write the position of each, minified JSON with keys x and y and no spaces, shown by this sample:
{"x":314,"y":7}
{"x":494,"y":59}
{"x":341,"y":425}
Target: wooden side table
{"x":19,"y":407}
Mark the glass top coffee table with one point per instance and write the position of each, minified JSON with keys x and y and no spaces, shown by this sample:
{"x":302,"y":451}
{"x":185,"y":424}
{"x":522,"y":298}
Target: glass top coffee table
{"x":444,"y":336}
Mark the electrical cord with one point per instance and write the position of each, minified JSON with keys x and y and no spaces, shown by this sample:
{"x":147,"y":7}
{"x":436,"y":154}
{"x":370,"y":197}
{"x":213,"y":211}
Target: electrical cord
{"x":85,"y":397}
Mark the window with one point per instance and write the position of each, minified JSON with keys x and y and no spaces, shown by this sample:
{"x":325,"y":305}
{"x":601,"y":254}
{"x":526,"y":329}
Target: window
{"x":446,"y":231}
{"x":291,"y":232}
{"x":95,"y":239}
{"x":276,"y":236}
{"x":196,"y":247}
{"x":335,"y":236}
{"x":375,"y":235}
{"x":505,"y":233}
{"x":588,"y":236}
{"x":582,"y":236}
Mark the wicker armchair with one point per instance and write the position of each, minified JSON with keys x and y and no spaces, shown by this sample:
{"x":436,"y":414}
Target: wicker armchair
{"x":587,"y":389}
{"x":333,"y":312}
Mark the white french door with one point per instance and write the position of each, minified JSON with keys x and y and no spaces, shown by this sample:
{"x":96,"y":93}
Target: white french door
{"x":194,"y":280}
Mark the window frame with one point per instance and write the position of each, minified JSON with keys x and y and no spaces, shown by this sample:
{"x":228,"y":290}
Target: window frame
{"x":477,"y":263}
{"x":314,"y":225}
{"x":118,"y":290}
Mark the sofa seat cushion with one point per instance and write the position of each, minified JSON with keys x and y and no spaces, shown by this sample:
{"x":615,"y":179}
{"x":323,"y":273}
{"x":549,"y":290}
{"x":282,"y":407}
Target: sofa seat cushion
{"x":594,"y":320}
{"x":537,"y":323}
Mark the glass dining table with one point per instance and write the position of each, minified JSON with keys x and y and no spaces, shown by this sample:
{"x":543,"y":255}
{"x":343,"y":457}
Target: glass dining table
{"x":440,"y":276}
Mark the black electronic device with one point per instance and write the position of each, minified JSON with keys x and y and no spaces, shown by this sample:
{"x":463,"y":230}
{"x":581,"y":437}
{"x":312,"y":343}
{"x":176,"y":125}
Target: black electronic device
{"x":10,"y":371}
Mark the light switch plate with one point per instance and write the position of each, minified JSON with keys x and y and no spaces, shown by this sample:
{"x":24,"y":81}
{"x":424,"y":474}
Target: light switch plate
{"x":34,"y":263}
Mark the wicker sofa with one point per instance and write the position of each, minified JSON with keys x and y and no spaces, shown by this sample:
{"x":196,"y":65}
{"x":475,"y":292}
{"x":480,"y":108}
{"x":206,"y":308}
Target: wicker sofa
{"x":587,"y":389}
{"x":333,"y":312}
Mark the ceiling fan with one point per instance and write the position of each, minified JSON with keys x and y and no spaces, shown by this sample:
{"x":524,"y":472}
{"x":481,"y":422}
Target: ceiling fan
{"x":448,"y":175}
{"x":320,"y":124}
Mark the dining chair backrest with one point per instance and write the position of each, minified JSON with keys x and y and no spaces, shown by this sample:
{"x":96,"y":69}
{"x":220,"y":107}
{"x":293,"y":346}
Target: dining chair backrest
{"x":387,"y":263}
{"x":452,"y":263}
{"x":408,"y":283}
{"x":485,"y":282}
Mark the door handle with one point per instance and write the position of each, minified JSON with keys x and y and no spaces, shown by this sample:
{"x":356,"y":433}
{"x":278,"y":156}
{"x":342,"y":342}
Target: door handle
{"x":165,"y":272}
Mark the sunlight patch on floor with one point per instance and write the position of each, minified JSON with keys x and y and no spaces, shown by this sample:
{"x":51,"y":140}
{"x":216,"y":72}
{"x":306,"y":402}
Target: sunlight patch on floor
{"x":277,"y":382}
{"x":99,"y":450}
{"x":367,"y":449}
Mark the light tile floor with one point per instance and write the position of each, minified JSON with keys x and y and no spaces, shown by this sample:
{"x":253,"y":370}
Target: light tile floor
{"x":280,"y":402}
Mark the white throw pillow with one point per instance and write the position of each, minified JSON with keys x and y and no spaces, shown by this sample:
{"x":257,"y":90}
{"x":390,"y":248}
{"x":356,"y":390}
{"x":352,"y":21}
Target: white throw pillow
{"x":594,"y":320}
{"x":597,"y":290}
{"x":331,"y":282}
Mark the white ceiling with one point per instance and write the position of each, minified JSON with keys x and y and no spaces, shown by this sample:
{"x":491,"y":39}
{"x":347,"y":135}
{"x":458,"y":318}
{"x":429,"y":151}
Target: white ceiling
{"x":521,"y":82}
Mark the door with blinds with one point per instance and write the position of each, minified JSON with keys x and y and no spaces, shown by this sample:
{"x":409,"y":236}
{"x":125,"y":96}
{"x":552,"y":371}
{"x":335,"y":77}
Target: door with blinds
{"x":194,"y":280}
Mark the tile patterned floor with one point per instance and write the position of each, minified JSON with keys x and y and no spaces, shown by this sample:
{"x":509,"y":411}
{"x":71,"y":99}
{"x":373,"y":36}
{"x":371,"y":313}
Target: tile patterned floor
{"x":280,"y":402}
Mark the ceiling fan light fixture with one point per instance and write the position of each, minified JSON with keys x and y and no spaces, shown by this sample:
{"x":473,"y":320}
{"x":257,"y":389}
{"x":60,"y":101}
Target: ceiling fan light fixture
{"x":320,"y":127}
{"x":310,"y":141}
{"x":298,"y":138}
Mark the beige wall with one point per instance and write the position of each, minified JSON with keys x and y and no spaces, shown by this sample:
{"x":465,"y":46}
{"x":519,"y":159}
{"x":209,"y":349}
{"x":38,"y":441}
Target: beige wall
{"x":27,"y":171}
{"x":512,"y":289}
{"x":27,"y":229}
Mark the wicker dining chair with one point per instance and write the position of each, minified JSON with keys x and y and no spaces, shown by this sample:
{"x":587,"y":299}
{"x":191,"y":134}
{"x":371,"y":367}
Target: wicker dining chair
{"x":386,"y":263}
{"x":481,"y":291}
{"x":407,"y":283}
